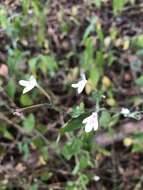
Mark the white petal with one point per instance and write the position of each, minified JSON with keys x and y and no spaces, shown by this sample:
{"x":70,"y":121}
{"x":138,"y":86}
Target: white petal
{"x":27,"y":89}
{"x":81,"y":86}
{"x":23,"y":82}
{"x":32,"y":77}
{"x":83,"y":77}
{"x":75,"y":85}
{"x":33,"y":81}
{"x":125,"y":111}
{"x":95,"y":126}
{"x":96,"y":178}
{"x":87,"y":119}
{"x":88,"y":127}
{"x":95,"y":120}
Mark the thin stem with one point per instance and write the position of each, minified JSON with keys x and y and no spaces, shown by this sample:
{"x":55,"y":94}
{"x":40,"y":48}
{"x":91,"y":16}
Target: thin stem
{"x":16,"y":126}
{"x":44,"y":92}
{"x":33,"y":107}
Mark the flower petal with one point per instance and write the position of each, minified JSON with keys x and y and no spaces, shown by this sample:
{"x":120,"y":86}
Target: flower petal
{"x":23,"y":82}
{"x":75,"y":85}
{"x":81,"y":86}
{"x":88,"y":127}
{"x":27,"y":89}
{"x":33,"y":81}
{"x":83,"y":77}
{"x":87,"y":119}
{"x":95,"y":126}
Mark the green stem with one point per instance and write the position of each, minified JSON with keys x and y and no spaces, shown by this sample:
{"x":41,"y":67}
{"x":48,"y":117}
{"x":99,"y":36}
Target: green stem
{"x":44,"y":92}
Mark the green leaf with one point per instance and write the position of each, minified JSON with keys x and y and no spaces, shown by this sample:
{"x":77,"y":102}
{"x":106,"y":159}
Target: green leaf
{"x":3,"y":18}
{"x":137,"y":147}
{"x":33,"y":187}
{"x":88,"y":55}
{"x":48,"y":63}
{"x":32,"y":64}
{"x":11,"y":88}
{"x":97,"y":3}
{"x":85,"y":161}
{"x":95,"y":76}
{"x":137,"y":142}
{"x":90,"y":28}
{"x":71,"y":148}
{"x":118,"y":5}
{"x":29,"y":123}
{"x":44,"y":153}
{"x":25,"y":6}
{"x":137,"y":41}
{"x":77,"y":110}
{"x":139,"y":81}
{"x":97,"y":68}
{"x":74,"y":123}
{"x":105,"y":119}
{"x":24,"y":149}
{"x":100,"y":34}
{"x":25,"y":100}
{"x":15,"y":57}
{"x":38,"y":142}
{"x":4,"y":132}
{"x":45,"y":175}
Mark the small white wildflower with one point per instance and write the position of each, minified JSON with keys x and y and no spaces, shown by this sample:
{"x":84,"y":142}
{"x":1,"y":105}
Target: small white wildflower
{"x":96,"y":178}
{"x":91,"y":122}
{"x":125,"y":111}
{"x":81,"y":84}
{"x":28,"y":84}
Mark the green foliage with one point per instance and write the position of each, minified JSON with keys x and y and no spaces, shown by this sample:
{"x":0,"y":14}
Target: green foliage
{"x":72,"y":148}
{"x":5,"y":132}
{"x":31,"y":50}
{"x":25,"y":100}
{"x":118,"y":5}
{"x":38,"y":142}
{"x":87,"y":56}
{"x":90,"y":28}
{"x":97,"y":2}
{"x":105,"y":119}
{"x":46,"y":64}
{"x":137,"y":41}
{"x":29,"y":123}
{"x":11,"y":88}
{"x":139,"y":81}
{"x":78,"y":110}
{"x":15,"y":57}
{"x":24,"y":148}
{"x":3,"y":18}
{"x":137,"y":142}
{"x":74,"y":123}
{"x":33,"y":187}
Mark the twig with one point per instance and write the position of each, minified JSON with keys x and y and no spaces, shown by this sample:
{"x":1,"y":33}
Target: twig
{"x":15,"y":125}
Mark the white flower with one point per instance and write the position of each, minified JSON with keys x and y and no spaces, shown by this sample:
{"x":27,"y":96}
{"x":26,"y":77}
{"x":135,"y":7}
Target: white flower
{"x":96,"y":178}
{"x":125,"y":111}
{"x":81,"y":84}
{"x":28,"y":84}
{"x":91,"y":122}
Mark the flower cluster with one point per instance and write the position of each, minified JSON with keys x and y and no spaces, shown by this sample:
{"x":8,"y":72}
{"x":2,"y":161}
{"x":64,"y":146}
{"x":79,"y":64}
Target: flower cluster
{"x":91,"y":122}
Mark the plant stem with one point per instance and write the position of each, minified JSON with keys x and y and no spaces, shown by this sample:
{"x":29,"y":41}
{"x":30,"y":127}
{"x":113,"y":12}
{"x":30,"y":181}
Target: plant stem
{"x":44,"y":92}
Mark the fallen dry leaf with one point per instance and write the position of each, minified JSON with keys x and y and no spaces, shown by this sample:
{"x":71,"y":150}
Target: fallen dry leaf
{"x":3,"y":70}
{"x":20,"y":167}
